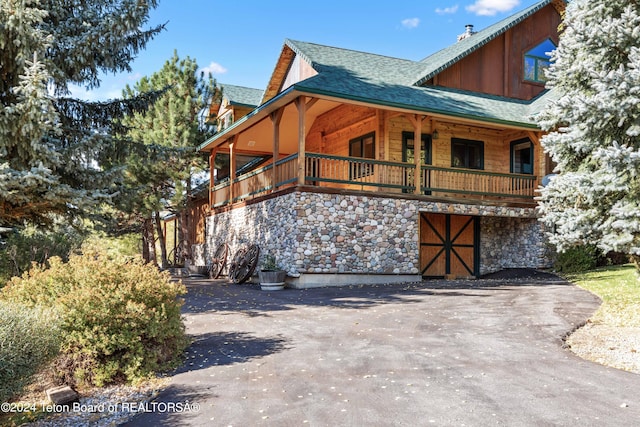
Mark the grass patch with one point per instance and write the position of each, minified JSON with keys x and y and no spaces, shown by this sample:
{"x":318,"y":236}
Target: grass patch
{"x":619,"y":288}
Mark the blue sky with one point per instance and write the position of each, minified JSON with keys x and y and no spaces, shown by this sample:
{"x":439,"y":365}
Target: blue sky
{"x":239,"y":41}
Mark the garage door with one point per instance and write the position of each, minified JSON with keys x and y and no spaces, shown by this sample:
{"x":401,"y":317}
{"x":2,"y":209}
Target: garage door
{"x":449,"y":245}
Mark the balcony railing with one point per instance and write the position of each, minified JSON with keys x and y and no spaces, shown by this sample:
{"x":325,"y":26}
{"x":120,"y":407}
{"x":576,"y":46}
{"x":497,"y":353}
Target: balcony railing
{"x":374,"y":175}
{"x":477,"y":183}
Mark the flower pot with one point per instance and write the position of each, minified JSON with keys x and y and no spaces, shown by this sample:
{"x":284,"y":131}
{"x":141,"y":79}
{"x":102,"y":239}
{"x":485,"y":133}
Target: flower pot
{"x":272,"y":280}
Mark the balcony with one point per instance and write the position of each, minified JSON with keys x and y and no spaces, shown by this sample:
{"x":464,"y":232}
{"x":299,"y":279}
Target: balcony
{"x":349,"y":173}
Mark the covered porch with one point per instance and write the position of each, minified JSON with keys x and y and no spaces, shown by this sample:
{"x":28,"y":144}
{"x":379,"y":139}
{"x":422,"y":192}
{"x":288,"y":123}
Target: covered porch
{"x":302,"y":141}
{"x":338,"y":172}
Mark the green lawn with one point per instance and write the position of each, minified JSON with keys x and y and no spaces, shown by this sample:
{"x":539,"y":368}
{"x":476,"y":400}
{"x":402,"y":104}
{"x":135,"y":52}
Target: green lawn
{"x":619,"y":288}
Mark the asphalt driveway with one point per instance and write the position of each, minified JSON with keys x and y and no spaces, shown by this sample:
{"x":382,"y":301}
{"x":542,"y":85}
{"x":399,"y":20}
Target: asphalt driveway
{"x":437,"y":353}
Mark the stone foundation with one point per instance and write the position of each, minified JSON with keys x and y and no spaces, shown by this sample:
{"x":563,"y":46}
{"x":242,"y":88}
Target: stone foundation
{"x":507,"y":242}
{"x":329,"y":234}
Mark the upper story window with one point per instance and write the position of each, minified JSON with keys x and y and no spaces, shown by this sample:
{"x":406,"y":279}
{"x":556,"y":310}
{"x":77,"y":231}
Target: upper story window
{"x":537,"y":60}
{"x":467,"y":153}
{"x":225,"y":120}
{"x":408,"y":148}
{"x":522,"y":156}
{"x":363,"y":146}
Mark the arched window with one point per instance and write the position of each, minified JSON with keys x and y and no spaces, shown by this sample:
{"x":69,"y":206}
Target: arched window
{"x":537,"y":60}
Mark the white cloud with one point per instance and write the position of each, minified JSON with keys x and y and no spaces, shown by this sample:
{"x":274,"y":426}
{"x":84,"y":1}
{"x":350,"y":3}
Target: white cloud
{"x":214,"y":68}
{"x":94,"y":95}
{"x":491,"y":7}
{"x":410,"y":22}
{"x":447,"y":10}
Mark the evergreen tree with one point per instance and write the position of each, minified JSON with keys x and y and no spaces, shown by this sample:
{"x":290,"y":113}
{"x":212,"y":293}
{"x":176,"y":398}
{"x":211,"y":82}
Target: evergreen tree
{"x":595,"y":129}
{"x":49,"y":143}
{"x":160,"y":174}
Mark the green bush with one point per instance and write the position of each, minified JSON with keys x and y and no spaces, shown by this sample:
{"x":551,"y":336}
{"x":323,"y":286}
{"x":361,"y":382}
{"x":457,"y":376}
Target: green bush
{"x":120,"y":318}
{"x":577,"y":259}
{"x":28,"y":338}
{"x":125,"y":247}
{"x":32,"y":245}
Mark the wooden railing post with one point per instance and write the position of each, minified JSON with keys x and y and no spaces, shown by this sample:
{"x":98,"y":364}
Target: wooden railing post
{"x":416,"y":120}
{"x":212,"y":167}
{"x":302,"y":107}
{"x":232,"y":167}
{"x":276,"y":116}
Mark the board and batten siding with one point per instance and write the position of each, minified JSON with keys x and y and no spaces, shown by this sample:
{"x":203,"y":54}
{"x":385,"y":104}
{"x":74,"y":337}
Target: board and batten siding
{"x":497,"y":68}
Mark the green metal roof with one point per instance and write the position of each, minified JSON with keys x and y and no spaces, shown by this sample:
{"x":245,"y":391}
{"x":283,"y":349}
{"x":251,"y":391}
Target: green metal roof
{"x":240,"y":95}
{"x":428,"y":99}
{"x":327,"y":59}
{"x":394,"y":82}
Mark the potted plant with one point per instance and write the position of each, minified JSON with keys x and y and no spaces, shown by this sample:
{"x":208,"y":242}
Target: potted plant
{"x":271,"y":276}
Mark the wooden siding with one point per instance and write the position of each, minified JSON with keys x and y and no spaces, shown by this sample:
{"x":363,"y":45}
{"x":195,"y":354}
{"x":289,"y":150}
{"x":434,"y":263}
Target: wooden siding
{"x":198,"y":211}
{"x":330,"y":132}
{"x":298,"y":71}
{"x":279,"y":73}
{"x":497,"y":144}
{"x":498,"y":67}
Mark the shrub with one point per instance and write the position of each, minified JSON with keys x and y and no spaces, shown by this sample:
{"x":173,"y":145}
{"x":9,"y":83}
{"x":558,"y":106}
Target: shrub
{"x":32,"y":245}
{"x":126,"y":247}
{"x":577,"y":259}
{"x":28,"y":338}
{"x":120,"y":318}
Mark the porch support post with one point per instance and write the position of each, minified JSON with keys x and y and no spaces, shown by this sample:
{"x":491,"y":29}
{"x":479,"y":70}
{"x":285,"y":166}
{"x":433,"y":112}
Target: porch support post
{"x":534,"y":137}
{"x":232,"y":167}
{"x":302,"y":107}
{"x":212,"y":167}
{"x":545,"y":162}
{"x":276,"y":116}
{"x":416,"y":120}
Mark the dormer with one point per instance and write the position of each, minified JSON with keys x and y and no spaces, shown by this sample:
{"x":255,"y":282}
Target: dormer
{"x":235,"y":103}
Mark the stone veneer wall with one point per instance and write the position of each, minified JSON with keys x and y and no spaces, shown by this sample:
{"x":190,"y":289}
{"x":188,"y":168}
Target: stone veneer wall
{"x":311,"y":232}
{"x":512,"y":243}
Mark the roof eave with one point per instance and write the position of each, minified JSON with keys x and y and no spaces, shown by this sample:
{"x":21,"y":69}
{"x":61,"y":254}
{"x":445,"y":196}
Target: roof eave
{"x":398,"y":106}
{"x":258,"y":113}
{"x":298,"y":89}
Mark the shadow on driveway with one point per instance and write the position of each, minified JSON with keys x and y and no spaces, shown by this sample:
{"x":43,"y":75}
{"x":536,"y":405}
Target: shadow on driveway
{"x":481,"y":352}
{"x":225,"y":348}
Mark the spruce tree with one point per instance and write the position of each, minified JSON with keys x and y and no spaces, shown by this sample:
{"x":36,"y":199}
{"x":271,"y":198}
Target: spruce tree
{"x":50,"y":144}
{"x":595,"y":129}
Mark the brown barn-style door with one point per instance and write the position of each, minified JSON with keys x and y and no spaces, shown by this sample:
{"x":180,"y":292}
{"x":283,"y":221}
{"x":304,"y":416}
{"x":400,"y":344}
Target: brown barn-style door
{"x":449,"y":245}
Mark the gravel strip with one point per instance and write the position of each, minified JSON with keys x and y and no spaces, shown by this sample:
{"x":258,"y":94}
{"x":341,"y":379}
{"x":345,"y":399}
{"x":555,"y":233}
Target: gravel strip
{"x":108,"y":406}
{"x":618,"y":347}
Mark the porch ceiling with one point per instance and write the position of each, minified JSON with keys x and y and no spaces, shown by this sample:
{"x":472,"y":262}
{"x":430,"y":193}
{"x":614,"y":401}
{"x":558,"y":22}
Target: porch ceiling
{"x":259,"y":137}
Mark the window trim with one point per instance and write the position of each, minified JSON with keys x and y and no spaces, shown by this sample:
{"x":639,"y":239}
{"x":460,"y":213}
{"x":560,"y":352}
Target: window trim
{"x":467,"y":143}
{"x":512,"y":153}
{"x":425,"y":138}
{"x":360,"y":170}
{"x":536,"y":77}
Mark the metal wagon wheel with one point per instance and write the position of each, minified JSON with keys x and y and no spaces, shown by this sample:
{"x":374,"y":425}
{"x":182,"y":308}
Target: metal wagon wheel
{"x":219,"y":261}
{"x":244,"y":263}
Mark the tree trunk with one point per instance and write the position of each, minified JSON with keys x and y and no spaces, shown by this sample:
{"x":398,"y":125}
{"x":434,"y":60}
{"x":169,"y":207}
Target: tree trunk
{"x":145,"y":247}
{"x":184,"y":222}
{"x":185,"y":235}
{"x":164,"y":262}
{"x":148,"y":242}
{"x":636,"y":261}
